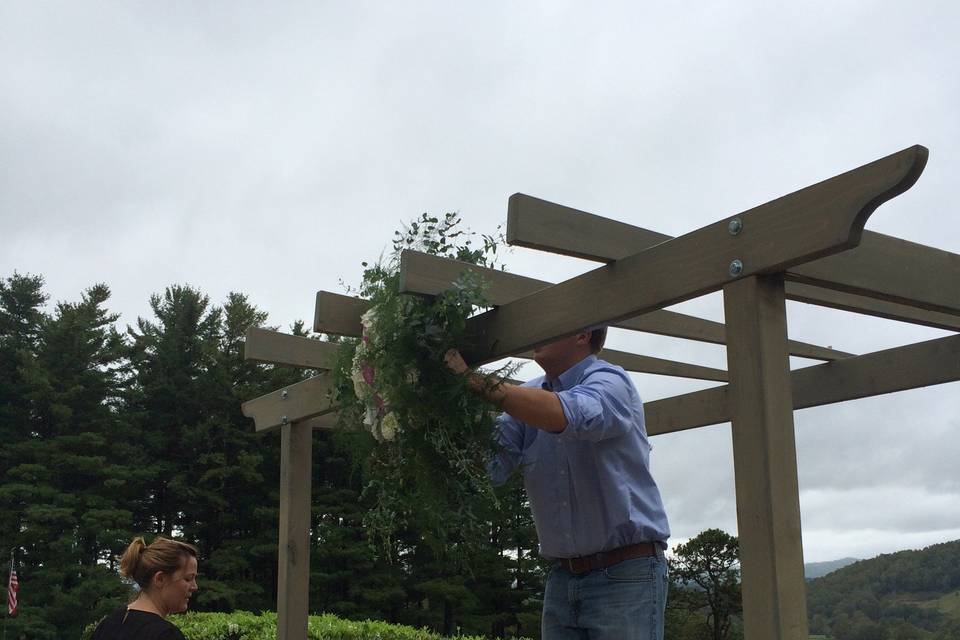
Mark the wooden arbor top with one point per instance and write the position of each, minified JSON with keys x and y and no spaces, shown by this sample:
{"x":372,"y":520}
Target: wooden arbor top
{"x":814,"y":236}
{"x":808,"y":246}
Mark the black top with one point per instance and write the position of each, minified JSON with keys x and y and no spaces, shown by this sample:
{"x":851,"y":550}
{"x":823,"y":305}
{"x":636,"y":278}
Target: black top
{"x":124,"y":624}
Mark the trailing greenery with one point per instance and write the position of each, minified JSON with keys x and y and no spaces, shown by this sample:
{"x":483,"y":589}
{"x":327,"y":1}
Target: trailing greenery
{"x":431,"y":438}
{"x":243,"y":625}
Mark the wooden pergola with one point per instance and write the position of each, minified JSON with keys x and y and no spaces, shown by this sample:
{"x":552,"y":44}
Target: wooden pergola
{"x":809,"y":246}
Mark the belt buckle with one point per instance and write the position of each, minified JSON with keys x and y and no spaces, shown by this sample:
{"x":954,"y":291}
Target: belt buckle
{"x":572,"y":565}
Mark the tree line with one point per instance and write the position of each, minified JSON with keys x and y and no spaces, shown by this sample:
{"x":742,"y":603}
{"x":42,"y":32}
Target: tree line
{"x":908,"y":595}
{"x":109,"y":433}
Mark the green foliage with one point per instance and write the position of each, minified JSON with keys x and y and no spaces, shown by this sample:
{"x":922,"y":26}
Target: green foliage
{"x":59,"y":469}
{"x":242,"y":625}
{"x":106,"y":437}
{"x":426,"y":464}
{"x":109,"y":435}
{"x":706,"y":571}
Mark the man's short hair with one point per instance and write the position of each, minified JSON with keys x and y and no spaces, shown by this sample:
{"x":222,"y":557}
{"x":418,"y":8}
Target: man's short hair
{"x":597,"y":338}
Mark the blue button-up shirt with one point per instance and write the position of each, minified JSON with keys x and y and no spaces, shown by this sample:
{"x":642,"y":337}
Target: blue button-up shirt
{"x":590,"y":485}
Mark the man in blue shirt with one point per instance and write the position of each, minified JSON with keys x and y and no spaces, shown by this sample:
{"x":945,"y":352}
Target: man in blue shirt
{"x":578,"y":436}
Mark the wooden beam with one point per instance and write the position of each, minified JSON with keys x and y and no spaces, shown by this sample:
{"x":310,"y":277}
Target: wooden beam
{"x":421,"y":273}
{"x":898,"y":369}
{"x":338,"y":314}
{"x":323,"y":422}
{"x":296,"y":402}
{"x":662,"y":367}
{"x":293,"y":579}
{"x":688,"y":411}
{"x":892,"y":269}
{"x":273,"y":347}
{"x":765,"y":460}
{"x":811,"y":223}
{"x":346,"y":312}
{"x":543,"y":225}
{"x":656,"y":366}
{"x":810,"y":294}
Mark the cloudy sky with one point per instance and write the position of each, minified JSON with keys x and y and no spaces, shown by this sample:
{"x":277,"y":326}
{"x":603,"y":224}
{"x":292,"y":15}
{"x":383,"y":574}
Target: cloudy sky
{"x":269,"y":148}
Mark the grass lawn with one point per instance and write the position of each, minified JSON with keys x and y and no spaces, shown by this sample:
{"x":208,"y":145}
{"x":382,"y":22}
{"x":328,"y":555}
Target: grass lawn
{"x":948,"y":604}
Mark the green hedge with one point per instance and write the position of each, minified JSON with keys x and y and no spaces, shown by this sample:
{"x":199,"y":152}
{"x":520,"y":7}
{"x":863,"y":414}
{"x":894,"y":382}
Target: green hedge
{"x":243,"y":625}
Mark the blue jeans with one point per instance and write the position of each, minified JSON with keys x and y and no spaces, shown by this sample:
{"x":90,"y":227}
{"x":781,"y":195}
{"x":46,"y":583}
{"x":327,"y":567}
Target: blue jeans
{"x":623,"y":602}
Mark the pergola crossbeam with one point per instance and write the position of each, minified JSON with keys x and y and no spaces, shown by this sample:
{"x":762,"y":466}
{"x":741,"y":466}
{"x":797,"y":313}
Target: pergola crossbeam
{"x":912,"y":366}
{"x":845,"y":301}
{"x":657,"y":366}
{"x":819,"y":220}
{"x":890,"y":269}
{"x":894,"y":273}
{"x":273,"y":347}
{"x":340,"y":315}
{"x":424,"y":274}
{"x":296,"y":402}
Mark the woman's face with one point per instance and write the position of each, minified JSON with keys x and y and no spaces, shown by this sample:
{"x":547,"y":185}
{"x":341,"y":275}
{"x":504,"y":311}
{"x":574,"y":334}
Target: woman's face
{"x":175,"y":589}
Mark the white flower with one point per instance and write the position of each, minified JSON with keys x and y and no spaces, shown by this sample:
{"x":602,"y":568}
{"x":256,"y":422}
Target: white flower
{"x":370,"y":419}
{"x":389,"y":426}
{"x":359,"y":384}
{"x":368,"y":320}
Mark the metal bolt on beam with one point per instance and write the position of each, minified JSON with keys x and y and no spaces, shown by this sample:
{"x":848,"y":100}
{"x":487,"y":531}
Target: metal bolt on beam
{"x":735,"y":226}
{"x":736,"y":268}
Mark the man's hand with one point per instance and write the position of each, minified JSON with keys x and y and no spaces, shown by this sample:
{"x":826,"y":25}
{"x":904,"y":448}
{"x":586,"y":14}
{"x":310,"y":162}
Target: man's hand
{"x":456,"y":362}
{"x":536,"y":407}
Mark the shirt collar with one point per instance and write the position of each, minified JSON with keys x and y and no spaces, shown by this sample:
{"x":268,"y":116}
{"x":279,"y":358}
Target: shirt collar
{"x":571,"y":376}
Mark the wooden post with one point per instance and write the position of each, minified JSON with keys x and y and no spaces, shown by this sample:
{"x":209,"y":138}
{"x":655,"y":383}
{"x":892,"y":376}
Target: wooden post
{"x":765,"y":460}
{"x":293,"y":584}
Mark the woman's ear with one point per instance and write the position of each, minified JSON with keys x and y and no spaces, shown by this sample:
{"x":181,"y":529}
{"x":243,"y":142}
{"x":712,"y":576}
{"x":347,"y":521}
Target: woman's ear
{"x":159,"y":579}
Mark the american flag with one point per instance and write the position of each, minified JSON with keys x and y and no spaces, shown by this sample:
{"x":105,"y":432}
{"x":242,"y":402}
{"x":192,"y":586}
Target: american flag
{"x":13,"y":585}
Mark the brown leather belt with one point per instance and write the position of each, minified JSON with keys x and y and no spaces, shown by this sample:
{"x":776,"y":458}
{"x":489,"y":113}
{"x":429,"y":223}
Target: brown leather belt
{"x":605,"y":559}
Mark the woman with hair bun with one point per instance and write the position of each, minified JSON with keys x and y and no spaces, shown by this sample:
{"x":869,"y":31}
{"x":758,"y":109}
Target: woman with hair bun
{"x":166,"y":572}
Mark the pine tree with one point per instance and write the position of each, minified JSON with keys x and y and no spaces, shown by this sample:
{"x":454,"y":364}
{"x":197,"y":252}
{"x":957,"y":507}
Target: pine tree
{"x":232,"y":509}
{"x":173,"y":358}
{"x":711,"y":561}
{"x":208,"y":475}
{"x":60,"y":478}
{"x":21,"y":320}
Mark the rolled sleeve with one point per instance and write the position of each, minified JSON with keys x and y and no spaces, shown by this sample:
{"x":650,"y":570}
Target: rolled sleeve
{"x":597,"y":408}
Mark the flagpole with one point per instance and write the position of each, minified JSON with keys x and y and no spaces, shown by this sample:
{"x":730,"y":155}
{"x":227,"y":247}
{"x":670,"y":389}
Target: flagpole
{"x":12,"y":549}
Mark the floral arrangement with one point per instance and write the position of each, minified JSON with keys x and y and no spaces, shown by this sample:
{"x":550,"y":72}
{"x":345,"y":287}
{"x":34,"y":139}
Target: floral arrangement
{"x":431,"y":437}
{"x":382,"y":424}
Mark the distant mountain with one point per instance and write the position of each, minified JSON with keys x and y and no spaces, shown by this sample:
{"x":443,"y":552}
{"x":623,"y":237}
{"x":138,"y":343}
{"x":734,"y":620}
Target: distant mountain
{"x":908,"y":594}
{"x":813,"y":570}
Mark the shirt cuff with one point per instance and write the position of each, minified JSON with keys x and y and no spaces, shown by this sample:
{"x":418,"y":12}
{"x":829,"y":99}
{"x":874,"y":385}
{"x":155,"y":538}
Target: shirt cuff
{"x":583,"y":414}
